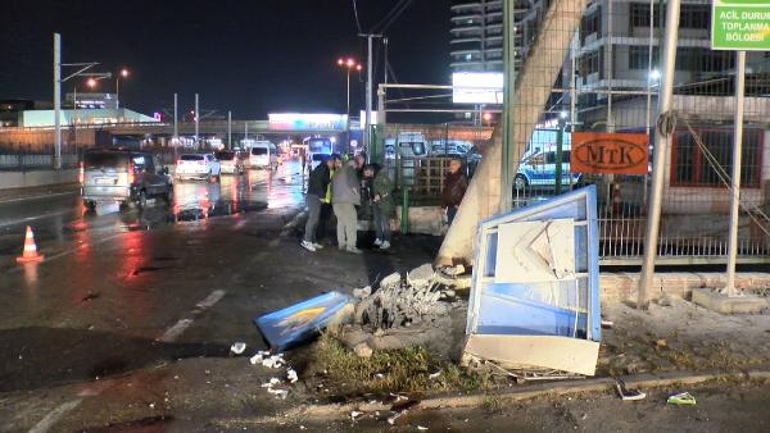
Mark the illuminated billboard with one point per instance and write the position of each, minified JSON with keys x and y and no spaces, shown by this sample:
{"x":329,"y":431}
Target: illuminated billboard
{"x":477,"y":88}
{"x":307,"y":122}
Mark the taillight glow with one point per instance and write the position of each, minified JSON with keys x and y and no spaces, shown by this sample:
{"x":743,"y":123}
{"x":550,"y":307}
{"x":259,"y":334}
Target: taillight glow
{"x":82,"y":174}
{"x":130,"y":173}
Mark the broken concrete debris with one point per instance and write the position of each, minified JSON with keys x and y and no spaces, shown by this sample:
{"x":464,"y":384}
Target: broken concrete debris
{"x":401,"y":312}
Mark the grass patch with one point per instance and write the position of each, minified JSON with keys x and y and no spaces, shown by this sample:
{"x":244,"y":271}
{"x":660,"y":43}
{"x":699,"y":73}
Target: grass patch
{"x":402,"y":370}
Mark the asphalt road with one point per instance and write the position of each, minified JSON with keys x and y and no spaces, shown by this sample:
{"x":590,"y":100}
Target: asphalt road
{"x":131,"y":306}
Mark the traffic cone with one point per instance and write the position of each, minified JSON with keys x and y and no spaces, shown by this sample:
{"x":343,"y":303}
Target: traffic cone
{"x":30,"y":254}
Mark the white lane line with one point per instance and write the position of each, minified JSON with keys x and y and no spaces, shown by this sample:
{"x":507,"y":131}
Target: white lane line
{"x":35,"y":218}
{"x":174,"y":332}
{"x":55,"y":415}
{"x":38,"y":197}
{"x":211,"y":299}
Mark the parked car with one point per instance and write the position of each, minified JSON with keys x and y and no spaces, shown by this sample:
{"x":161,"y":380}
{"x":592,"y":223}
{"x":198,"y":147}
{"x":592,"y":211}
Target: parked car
{"x":231,"y":161}
{"x":203,"y":166}
{"x":263,"y":154}
{"x":123,"y":176}
{"x":538,"y":168}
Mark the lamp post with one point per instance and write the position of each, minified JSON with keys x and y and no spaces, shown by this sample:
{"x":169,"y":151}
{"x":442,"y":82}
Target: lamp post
{"x":349,"y":65}
{"x":123,"y":73}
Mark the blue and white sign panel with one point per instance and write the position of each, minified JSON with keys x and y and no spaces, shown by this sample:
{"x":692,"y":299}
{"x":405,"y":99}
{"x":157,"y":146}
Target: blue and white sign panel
{"x":535,"y":292}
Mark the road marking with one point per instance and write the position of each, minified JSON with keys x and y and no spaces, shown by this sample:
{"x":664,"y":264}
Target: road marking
{"x":34,"y":218}
{"x":211,"y":299}
{"x":173,"y":333}
{"x":38,"y":197}
{"x":55,"y":415}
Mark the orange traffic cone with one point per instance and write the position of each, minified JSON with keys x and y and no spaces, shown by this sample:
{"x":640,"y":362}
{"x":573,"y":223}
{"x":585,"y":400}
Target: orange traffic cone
{"x":30,"y":254}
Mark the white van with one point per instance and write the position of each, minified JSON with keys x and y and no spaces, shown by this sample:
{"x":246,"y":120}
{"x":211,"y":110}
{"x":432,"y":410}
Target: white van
{"x":412,"y":145}
{"x":263,"y":154}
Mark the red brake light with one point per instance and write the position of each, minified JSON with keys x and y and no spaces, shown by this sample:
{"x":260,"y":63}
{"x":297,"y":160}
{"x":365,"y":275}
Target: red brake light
{"x":82,"y":174}
{"x":130,"y":173}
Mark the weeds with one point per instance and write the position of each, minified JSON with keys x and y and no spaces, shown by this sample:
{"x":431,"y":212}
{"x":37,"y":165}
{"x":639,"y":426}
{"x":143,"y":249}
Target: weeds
{"x":404,"y":370}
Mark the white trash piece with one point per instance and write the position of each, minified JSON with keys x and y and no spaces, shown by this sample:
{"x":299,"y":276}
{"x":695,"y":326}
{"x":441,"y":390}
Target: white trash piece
{"x":238,"y":348}
{"x":291,"y":375}
{"x":279,"y":393}
{"x":259,"y":357}
{"x":275,"y":361}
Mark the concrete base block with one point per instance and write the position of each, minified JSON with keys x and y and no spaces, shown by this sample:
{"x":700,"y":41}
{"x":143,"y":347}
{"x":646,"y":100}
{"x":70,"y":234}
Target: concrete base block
{"x":715,"y":301}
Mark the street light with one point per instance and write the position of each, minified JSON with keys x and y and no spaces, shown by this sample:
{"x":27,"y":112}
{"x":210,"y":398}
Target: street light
{"x":123,"y":73}
{"x":348,"y":64}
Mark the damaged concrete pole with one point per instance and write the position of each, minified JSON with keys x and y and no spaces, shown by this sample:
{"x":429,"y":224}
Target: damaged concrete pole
{"x":533,"y":87}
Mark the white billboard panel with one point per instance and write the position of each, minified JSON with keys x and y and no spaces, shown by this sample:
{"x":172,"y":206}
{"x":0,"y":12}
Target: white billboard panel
{"x":477,"y":88}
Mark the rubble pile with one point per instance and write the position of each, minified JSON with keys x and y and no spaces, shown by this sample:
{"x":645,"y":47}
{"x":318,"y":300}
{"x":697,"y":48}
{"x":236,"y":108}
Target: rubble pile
{"x":401,"y":304}
{"x":401,"y":312}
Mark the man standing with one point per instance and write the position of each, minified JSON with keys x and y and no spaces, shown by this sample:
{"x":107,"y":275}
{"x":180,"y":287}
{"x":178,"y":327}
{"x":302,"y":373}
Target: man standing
{"x":455,"y":185}
{"x":316,"y":191}
{"x":383,"y":206}
{"x":345,"y":197}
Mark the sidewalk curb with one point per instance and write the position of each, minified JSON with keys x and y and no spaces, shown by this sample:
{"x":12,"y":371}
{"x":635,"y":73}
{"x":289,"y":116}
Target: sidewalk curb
{"x":643,"y":381}
{"x":19,"y":196}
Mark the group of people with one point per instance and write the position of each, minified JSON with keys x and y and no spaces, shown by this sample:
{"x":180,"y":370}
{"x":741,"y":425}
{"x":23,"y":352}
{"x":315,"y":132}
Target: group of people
{"x":343,"y":186}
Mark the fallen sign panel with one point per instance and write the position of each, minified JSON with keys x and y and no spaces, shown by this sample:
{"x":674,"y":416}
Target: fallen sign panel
{"x":292,"y":325}
{"x":534,"y":300}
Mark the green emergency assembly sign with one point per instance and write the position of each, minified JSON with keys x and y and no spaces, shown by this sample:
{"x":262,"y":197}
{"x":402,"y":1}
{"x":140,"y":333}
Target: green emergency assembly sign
{"x":740,"y":25}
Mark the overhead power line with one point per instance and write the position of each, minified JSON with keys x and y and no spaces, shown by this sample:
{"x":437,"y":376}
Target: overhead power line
{"x":392,"y":16}
{"x":355,"y":12}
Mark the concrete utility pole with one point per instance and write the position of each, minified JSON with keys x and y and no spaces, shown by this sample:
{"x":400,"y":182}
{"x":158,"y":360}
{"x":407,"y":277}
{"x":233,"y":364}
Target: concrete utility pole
{"x":57,"y":98}
{"x":369,"y":65}
{"x":176,"y":117}
{"x":534,"y":85}
{"x":662,"y":140}
{"x":197,"y":120}
{"x":230,"y":130}
{"x":735,"y":191}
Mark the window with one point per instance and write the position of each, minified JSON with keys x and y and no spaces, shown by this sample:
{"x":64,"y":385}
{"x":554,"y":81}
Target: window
{"x":690,"y":167}
{"x":639,"y":57}
{"x":591,"y":24}
{"x":589,"y":64}
{"x":639,"y":15}
{"x":695,"y":16}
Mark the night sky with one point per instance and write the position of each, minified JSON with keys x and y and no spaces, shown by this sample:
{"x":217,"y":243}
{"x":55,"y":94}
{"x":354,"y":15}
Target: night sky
{"x":248,"y":56}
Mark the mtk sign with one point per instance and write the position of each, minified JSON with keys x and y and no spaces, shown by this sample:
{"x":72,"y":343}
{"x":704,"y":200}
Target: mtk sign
{"x":603,"y":153}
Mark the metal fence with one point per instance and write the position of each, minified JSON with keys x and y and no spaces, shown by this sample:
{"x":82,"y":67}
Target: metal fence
{"x":609,"y":84}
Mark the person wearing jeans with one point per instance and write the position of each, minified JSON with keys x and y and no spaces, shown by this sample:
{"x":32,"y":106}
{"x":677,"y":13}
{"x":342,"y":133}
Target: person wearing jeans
{"x":383,"y":206}
{"x":316,"y":190}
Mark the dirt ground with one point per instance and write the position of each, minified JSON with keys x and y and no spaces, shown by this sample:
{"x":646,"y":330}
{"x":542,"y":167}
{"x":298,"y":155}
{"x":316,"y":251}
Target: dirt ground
{"x":681,"y":336}
{"x":721,"y":407}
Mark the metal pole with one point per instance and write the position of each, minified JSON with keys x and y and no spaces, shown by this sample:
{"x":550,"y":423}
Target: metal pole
{"x":347,"y":121}
{"x":509,"y":69}
{"x":117,"y":90}
{"x":648,"y":116}
{"x":369,"y":63}
{"x":197,"y":119}
{"x":662,"y":139}
{"x":609,"y":61}
{"x":230,"y":130}
{"x":735,"y":191}
{"x":176,"y":117}
{"x":573,"y":82}
{"x":57,"y":99}
{"x":385,"y":78}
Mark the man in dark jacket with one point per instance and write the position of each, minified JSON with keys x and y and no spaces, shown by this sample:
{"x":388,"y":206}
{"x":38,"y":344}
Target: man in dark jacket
{"x":455,"y":185}
{"x":317,"y":186}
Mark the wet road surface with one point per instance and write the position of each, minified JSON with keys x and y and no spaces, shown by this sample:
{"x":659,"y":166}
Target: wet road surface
{"x":133,"y":312}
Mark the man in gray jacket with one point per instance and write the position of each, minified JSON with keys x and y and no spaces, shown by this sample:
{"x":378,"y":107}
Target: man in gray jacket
{"x":346,"y":195}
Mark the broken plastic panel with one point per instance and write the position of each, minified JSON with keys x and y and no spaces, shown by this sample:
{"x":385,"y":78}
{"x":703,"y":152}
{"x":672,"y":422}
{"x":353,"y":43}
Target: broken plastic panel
{"x":535,"y":292}
{"x":292,"y":325}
